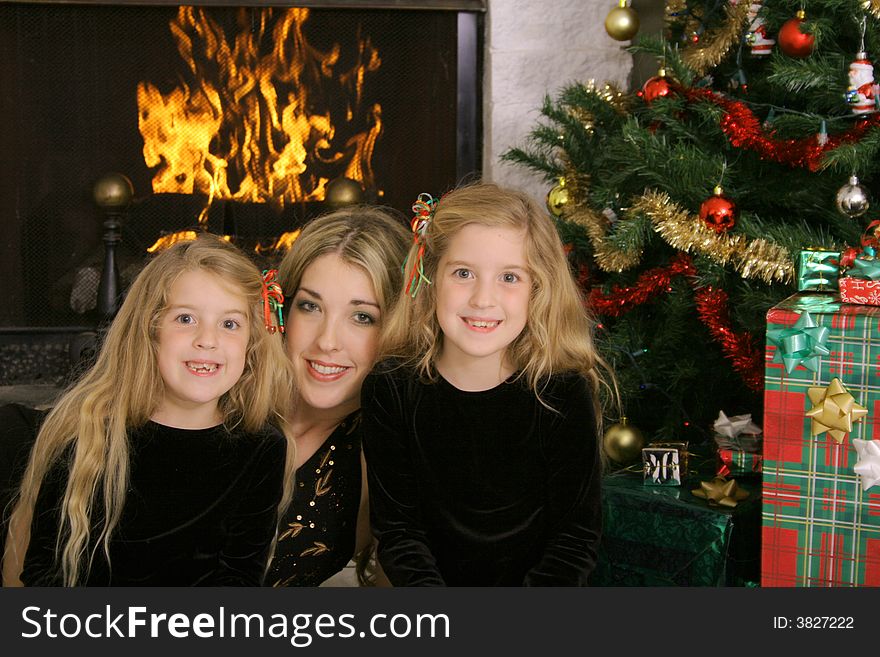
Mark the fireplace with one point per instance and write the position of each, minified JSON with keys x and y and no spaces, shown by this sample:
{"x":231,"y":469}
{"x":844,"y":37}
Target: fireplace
{"x":236,"y":120}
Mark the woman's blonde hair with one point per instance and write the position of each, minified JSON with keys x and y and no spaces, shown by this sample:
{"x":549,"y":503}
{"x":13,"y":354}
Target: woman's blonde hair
{"x":558,"y":333}
{"x":365,"y":236}
{"x":124,"y":388}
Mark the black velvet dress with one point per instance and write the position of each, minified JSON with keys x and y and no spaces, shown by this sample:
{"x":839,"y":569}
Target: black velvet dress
{"x":18,"y":429}
{"x":317,"y":536}
{"x":201,"y":510}
{"x":485,"y":488}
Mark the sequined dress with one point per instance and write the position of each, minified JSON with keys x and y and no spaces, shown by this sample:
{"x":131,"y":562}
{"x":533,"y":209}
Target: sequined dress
{"x":317,"y":537}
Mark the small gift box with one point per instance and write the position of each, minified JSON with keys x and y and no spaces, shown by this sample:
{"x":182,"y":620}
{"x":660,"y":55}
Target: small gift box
{"x":734,"y":462}
{"x":818,"y":270}
{"x":859,"y":290}
{"x":861,"y":280}
{"x":665,"y":463}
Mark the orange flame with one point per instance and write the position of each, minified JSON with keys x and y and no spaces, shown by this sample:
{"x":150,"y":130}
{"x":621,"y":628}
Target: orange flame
{"x":180,"y":236}
{"x":253,"y":119}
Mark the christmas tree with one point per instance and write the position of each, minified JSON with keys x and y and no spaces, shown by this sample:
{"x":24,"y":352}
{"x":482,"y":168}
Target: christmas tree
{"x":686,"y":204}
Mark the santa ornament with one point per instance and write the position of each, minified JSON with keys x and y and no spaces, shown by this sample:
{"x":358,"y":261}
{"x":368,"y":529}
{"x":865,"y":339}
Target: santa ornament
{"x":863,"y":91}
{"x":757,"y":37}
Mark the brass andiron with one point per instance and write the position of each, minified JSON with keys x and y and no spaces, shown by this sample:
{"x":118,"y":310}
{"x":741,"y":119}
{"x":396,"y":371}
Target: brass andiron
{"x":112,"y":193}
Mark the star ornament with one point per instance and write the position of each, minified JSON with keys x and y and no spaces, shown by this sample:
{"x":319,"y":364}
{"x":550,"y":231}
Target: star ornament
{"x":868,"y":465}
{"x":834,"y":410}
{"x":801,"y":344}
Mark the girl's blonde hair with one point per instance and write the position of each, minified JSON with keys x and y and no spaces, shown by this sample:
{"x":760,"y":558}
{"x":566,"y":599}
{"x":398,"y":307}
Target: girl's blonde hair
{"x":364,"y":236}
{"x":558,"y":332}
{"x":124,"y":388}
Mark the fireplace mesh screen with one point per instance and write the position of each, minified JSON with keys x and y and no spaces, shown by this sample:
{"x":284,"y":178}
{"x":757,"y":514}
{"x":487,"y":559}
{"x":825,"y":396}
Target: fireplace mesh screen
{"x":70,"y":109}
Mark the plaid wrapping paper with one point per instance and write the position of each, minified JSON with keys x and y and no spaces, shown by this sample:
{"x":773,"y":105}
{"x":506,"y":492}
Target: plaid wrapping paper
{"x":735,"y":463}
{"x":818,"y":527}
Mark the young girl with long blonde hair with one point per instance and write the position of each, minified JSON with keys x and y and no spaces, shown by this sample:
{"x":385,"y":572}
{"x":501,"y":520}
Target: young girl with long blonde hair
{"x":167,"y":462}
{"x":481,"y":435}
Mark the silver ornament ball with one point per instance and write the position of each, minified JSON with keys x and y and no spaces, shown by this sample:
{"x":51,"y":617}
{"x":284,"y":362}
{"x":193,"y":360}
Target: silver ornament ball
{"x":852,"y":199}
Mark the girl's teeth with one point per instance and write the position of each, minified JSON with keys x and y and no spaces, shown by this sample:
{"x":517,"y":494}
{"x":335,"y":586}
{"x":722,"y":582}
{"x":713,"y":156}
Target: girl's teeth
{"x":201,"y":367}
{"x":484,"y":324}
{"x":324,"y":369}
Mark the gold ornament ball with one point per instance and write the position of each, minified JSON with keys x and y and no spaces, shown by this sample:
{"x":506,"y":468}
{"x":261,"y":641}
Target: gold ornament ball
{"x":557,"y":199}
{"x":342,"y":192}
{"x":623,"y":442}
{"x":622,"y":23}
{"x":113,"y":191}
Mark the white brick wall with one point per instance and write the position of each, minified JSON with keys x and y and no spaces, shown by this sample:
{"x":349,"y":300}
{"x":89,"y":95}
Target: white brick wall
{"x":536,"y":47}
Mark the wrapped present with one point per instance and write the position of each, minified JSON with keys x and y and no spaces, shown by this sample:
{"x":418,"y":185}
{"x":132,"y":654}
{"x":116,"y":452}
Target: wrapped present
{"x":667,"y":536}
{"x":860,"y":271}
{"x":737,"y":463}
{"x":818,"y":270}
{"x":665,"y":463}
{"x":859,"y":290}
{"x":820,"y":527}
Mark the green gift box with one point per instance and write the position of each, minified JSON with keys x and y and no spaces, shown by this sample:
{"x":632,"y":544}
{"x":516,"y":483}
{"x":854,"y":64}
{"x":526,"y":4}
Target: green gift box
{"x":819,"y":527}
{"x":818,"y":270}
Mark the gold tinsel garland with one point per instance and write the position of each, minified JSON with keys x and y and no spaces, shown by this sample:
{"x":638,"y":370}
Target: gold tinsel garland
{"x":607,"y":256}
{"x":708,"y":52}
{"x":755,"y":258}
{"x":873,"y":6}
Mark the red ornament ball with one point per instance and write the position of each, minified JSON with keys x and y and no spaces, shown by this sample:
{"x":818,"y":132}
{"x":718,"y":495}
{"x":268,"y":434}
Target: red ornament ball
{"x":792,"y":41}
{"x":655,"y":88}
{"x":718,"y":213}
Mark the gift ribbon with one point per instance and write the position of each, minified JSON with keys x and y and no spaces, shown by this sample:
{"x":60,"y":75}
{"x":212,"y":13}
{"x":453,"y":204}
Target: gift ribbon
{"x":864,"y":268}
{"x":721,"y":491}
{"x":834,"y":410}
{"x":868,"y":465}
{"x":801,"y":344}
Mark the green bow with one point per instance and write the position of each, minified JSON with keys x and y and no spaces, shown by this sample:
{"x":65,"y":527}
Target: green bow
{"x":802,"y":344}
{"x":868,"y":269}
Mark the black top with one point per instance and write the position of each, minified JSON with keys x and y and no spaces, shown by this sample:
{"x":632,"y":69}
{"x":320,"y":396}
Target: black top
{"x":483,"y":488}
{"x":201,"y":510}
{"x":15,"y":448}
{"x":317,"y":535}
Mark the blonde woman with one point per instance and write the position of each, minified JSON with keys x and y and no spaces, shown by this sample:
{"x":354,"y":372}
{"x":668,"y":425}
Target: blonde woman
{"x":340,"y":280}
{"x":481,"y":442}
{"x":166,"y":463}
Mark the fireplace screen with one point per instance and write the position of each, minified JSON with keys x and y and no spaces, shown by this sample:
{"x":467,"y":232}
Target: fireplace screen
{"x":240,"y":121}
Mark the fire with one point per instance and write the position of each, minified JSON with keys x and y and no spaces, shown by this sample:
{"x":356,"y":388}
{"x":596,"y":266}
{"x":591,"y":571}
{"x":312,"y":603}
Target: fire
{"x":180,"y":236}
{"x":265,"y":117}
{"x":281,"y":245}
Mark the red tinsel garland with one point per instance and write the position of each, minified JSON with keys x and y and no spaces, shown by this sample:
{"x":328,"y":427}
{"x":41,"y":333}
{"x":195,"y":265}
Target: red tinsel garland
{"x":712,"y":309}
{"x":745,"y":130}
{"x":747,"y":359}
{"x":623,"y":299}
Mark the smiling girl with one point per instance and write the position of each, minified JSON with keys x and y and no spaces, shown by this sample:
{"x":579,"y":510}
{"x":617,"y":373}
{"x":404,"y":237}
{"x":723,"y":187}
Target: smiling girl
{"x":480,"y":436}
{"x":166,"y":463}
